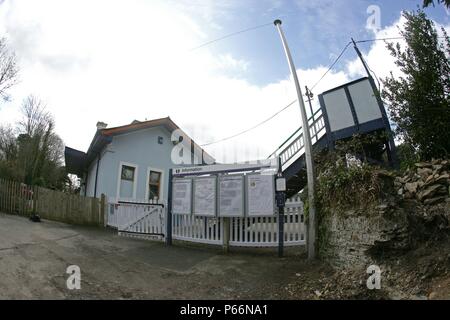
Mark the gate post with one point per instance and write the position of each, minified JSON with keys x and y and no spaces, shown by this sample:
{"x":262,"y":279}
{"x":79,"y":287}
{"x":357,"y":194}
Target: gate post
{"x":280,"y":199}
{"x":226,"y":234}
{"x":169,"y":212}
{"x":280,"y":203}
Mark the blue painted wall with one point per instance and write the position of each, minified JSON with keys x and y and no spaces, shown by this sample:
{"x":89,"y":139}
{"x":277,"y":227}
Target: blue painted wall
{"x":140,"y":149}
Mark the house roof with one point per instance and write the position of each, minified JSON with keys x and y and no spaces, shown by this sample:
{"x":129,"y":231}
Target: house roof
{"x":78,"y":161}
{"x":138,"y":125}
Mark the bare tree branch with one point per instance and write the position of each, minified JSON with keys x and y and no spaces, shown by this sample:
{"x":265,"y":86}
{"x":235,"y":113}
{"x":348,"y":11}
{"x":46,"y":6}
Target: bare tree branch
{"x":35,"y":119}
{"x":8,"y":69}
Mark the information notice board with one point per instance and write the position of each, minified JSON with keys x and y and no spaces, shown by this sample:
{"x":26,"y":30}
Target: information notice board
{"x":236,"y":195}
{"x":231,"y":196}
{"x":205,"y":196}
{"x":182,"y":196}
{"x":260,"y":195}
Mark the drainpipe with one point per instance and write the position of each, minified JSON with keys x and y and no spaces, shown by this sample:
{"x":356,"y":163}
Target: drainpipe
{"x":86,"y":183}
{"x":96,"y":175}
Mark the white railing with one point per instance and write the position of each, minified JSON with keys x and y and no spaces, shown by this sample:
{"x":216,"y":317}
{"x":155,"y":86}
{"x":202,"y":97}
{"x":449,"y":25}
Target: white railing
{"x":244,"y":232}
{"x":294,"y":147}
{"x":140,"y":219}
{"x":148,"y":221}
{"x":263,"y":231}
{"x":197,"y":229}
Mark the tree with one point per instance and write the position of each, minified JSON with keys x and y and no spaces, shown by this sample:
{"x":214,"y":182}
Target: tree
{"x":419,"y":100}
{"x":40,"y":148}
{"x":426,"y":3}
{"x":33,"y":152}
{"x":8,"y":69}
{"x":8,"y":154}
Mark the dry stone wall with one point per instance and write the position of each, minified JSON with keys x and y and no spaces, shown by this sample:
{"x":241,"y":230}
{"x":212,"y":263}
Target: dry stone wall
{"x":358,"y":237}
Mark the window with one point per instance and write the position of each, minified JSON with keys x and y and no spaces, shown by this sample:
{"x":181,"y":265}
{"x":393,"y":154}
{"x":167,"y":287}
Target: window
{"x":127,"y":173}
{"x":127,"y":181}
{"x":154,"y":184}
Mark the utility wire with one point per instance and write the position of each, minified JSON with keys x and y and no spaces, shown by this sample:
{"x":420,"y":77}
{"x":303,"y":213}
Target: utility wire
{"x":289,"y":105}
{"x":384,"y":39}
{"x":379,"y":39}
{"x":231,"y":35}
{"x":286,"y":107}
{"x":252,"y":128}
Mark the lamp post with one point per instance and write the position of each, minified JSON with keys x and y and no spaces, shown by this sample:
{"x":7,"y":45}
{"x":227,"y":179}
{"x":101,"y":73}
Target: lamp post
{"x":311,"y":238}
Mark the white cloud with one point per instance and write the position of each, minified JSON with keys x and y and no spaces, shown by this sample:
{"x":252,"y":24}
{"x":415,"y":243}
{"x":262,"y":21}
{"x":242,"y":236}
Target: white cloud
{"x":378,"y":56}
{"x":103,"y":61}
{"x":226,"y":61}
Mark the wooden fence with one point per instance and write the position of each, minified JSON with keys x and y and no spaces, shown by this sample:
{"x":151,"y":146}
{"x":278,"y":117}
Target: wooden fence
{"x":21,"y":199}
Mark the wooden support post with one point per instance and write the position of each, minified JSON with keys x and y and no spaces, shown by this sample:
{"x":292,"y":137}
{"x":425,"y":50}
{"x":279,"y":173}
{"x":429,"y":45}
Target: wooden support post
{"x":226,"y":234}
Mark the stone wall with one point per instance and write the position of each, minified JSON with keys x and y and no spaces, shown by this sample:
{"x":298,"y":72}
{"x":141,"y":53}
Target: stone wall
{"x":349,"y":237}
{"x":358,"y":237}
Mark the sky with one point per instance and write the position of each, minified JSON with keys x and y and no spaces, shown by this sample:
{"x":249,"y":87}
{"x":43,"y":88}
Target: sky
{"x":117,"y":61}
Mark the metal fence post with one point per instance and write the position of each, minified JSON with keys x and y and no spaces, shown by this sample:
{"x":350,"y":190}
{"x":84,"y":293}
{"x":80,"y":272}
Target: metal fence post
{"x":280,"y":227}
{"x":280,"y":199}
{"x":308,"y":148}
{"x":169,"y":212}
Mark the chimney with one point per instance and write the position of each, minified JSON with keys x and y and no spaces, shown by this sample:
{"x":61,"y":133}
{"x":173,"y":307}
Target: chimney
{"x":101,"y":125}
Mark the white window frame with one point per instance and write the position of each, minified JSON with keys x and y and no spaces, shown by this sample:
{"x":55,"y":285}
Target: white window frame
{"x":119,"y":178}
{"x":161,"y":184}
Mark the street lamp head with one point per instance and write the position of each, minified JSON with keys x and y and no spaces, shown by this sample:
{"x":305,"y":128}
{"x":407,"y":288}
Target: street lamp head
{"x":277,"y":22}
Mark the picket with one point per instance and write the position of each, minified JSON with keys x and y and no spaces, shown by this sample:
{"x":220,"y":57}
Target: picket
{"x":244,"y":231}
{"x":18,"y":198}
{"x":142,"y":220}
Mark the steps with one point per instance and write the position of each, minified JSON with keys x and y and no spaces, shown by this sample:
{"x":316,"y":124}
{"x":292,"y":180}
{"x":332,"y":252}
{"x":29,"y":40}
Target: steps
{"x":353,"y":108}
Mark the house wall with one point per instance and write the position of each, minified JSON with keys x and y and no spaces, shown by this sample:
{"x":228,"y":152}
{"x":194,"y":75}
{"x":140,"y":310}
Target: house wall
{"x":139,"y":149}
{"x":91,"y":179}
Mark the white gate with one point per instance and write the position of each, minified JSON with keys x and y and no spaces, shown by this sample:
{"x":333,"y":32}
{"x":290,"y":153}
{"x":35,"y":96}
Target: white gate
{"x":148,"y":221}
{"x":142,"y":220}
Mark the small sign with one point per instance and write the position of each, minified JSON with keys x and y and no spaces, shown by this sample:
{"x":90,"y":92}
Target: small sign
{"x":260,"y":195}
{"x":205,"y":196}
{"x":231,"y":196}
{"x":281,"y":184}
{"x":182,"y":196}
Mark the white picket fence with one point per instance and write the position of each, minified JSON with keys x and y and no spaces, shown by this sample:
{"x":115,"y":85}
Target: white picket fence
{"x":141,"y":220}
{"x":244,"y":232}
{"x":197,"y":229}
{"x":148,"y":221}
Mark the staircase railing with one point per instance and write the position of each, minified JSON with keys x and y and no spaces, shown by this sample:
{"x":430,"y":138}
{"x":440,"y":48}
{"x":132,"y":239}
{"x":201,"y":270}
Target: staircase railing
{"x":293,"y":147}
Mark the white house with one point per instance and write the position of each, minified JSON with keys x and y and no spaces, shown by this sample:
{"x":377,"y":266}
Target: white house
{"x":132,"y":162}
